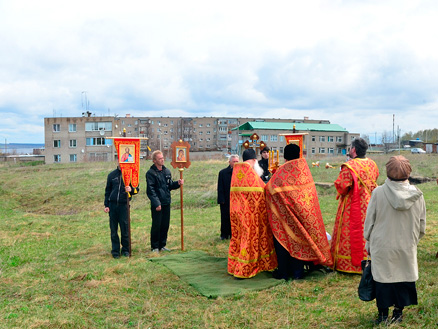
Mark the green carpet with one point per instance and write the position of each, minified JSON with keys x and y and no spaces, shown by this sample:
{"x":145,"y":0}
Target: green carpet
{"x":209,"y":276}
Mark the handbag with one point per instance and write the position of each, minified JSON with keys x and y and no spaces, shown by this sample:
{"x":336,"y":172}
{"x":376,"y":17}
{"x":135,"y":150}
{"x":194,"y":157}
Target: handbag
{"x":367,"y":285}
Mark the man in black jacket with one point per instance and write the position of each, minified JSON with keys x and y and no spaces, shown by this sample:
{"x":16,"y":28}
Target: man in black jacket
{"x":223,"y":196}
{"x":116,"y":194}
{"x":159,"y":184}
{"x":264,"y":163}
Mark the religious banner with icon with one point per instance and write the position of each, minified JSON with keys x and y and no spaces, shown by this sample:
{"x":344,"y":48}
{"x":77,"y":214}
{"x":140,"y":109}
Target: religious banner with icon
{"x":295,"y":138}
{"x":128,"y":154}
{"x":181,"y":160}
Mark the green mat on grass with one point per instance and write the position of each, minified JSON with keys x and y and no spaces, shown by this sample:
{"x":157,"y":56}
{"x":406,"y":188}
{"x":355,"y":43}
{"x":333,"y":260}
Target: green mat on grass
{"x":209,"y":276}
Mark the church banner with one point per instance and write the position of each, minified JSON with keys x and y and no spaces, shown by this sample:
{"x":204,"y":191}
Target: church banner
{"x":128,"y":154}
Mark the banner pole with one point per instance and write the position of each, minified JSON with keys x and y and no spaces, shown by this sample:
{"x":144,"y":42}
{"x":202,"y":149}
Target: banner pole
{"x":129,"y":223}
{"x":182,"y":209}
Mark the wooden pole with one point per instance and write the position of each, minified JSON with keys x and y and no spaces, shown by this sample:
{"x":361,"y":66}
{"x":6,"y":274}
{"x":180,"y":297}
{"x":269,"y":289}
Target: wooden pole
{"x":129,"y":222}
{"x":181,"y":170}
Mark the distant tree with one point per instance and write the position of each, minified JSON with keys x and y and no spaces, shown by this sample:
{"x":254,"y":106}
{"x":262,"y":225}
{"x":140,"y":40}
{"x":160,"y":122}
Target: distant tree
{"x":427,"y":135}
{"x":366,"y":138}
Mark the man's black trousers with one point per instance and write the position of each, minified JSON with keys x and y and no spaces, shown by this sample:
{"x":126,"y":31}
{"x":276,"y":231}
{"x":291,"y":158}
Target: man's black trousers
{"x":225,"y":221}
{"x":118,"y":216}
{"x":160,"y":227}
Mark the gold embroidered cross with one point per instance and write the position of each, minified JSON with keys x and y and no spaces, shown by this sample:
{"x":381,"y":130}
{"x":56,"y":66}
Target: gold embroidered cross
{"x":240,"y":175}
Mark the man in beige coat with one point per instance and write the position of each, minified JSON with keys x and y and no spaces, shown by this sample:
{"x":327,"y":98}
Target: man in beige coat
{"x":395,"y":222}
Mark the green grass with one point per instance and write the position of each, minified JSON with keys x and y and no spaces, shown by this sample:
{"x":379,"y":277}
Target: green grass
{"x":56,"y":270}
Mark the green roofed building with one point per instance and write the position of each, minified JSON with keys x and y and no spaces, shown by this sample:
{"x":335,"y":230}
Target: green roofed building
{"x":322,"y":138}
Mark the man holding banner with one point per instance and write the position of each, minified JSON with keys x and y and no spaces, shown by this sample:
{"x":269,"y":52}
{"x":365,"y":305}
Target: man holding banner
{"x":121,"y":184}
{"x":159,"y":184}
{"x":116,"y":204}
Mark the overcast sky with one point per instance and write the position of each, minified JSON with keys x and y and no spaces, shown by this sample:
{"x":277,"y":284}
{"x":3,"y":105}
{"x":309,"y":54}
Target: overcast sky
{"x":355,"y":63}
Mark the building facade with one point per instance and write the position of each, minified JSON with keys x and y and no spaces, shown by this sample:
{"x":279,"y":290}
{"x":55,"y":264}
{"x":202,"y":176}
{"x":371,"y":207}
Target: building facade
{"x":83,"y":139}
{"x":322,"y":138}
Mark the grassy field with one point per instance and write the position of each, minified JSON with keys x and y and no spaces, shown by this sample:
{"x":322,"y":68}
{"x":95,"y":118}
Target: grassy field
{"x":56,"y":270}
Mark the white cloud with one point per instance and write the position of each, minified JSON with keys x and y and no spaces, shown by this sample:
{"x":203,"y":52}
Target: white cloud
{"x":355,"y":63}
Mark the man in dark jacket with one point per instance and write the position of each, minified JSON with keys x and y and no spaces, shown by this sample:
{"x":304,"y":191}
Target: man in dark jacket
{"x":223,"y":196}
{"x":159,"y":184}
{"x":116,"y":194}
{"x":264,"y":163}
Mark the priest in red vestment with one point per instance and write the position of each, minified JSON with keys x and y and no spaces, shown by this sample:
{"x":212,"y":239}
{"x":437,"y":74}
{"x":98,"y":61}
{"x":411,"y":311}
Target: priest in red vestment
{"x":356,"y":181}
{"x":295,"y":217}
{"x":251,"y":246}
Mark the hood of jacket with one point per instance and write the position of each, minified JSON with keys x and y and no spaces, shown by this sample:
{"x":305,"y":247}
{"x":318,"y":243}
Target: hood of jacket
{"x":401,"y":195}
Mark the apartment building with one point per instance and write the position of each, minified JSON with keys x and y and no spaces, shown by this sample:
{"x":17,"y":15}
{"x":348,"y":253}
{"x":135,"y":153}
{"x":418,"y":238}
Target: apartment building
{"x":85,"y":138}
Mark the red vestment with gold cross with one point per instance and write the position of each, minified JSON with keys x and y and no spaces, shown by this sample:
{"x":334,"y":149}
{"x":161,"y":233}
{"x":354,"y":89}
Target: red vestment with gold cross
{"x":356,"y":181}
{"x":295,"y":215}
{"x":252,"y":246}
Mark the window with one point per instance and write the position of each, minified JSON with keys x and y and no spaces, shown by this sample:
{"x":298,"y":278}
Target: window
{"x":73,"y":158}
{"x":222,"y":128}
{"x":72,"y":143}
{"x":72,"y":127}
{"x":57,"y":158}
{"x":200,"y":125}
{"x":171,"y":122}
{"x":313,"y":150}
{"x":94,"y":156}
{"x":322,"y":139}
{"x":264,"y":138}
{"x":281,"y":140}
{"x":321,"y":150}
{"x":96,"y":141}
{"x":339,"y":139}
{"x":208,"y":125}
{"x":313,"y":138}
{"x":57,"y":143}
{"x":200,"y":133}
{"x":331,"y":150}
{"x":330,"y":139}
{"x":56,"y":127}
{"x":208,"y":139}
{"x":273,"y":138}
{"x":281,"y":149}
{"x":208,"y":132}
{"x":96,"y":126}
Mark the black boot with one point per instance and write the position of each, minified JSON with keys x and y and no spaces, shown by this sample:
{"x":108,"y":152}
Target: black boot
{"x":382,"y":317}
{"x":397,"y":315}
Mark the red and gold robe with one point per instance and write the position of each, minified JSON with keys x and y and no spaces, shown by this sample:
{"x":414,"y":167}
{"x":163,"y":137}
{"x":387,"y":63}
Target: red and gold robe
{"x":252,"y":246}
{"x":295,"y":215}
{"x":355,"y":183}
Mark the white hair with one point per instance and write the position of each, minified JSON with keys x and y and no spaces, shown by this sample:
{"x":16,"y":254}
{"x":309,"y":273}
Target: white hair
{"x":257,"y":168}
{"x":233,"y":156}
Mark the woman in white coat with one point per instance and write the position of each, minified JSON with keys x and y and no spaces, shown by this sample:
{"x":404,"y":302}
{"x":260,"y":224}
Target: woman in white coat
{"x":395,"y":222}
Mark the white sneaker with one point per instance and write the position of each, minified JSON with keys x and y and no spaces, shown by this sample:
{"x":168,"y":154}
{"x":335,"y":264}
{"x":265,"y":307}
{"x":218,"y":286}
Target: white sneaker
{"x":164,"y":249}
{"x":156,"y":250}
